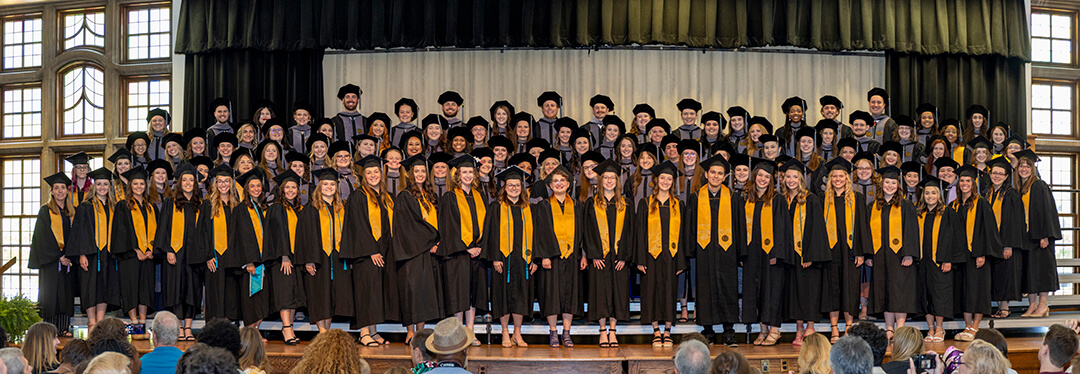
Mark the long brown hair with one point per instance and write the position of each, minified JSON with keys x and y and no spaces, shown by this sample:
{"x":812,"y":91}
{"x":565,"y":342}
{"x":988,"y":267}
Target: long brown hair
{"x":635,"y":179}
{"x":259,"y":202}
{"x":673,"y":196}
{"x":879,"y":194}
{"x":1021,"y":185}
{"x":382,"y":193}
{"x":130,"y":195}
{"x":424,"y":192}
{"x":317,"y":199}
{"x":523,"y":199}
{"x":178,"y":194}
{"x":252,"y":351}
{"x":69,"y":207}
{"x":333,"y":351}
{"x":279,"y":196}
{"x":38,"y":349}
{"x":752,"y":188}
{"x":600,"y":202}
{"x":216,"y":202}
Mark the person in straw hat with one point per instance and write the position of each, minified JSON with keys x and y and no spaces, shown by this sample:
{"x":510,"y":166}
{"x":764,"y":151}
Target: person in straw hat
{"x":449,"y":344}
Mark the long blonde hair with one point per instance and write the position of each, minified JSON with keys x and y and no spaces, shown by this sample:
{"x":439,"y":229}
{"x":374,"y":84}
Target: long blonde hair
{"x":252,"y":351}
{"x":908,"y":342}
{"x":333,"y":351}
{"x":216,"y":202}
{"x":814,"y":355}
{"x":600,"y":202}
{"x":984,"y":358}
{"x":317,"y":199}
{"x":109,"y":363}
{"x":801,"y":190}
{"x":38,"y":349}
{"x":922,"y":208}
{"x":69,"y":207}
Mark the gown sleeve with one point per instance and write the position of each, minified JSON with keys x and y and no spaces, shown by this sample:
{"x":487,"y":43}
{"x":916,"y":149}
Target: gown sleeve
{"x":243,"y":245}
{"x":82,"y":232}
{"x":640,"y":234}
{"x":1012,"y":225}
{"x":309,"y":237}
{"x":985,"y":239}
{"x":546,"y":243}
{"x":681,"y":261}
{"x":450,"y":225}
{"x":815,"y":239}
{"x":590,"y":234}
{"x":493,"y":234}
{"x":863,"y":240}
{"x":122,"y":241}
{"x":411,"y":235}
{"x":688,"y":232}
{"x":276,"y":245}
{"x":738,"y":224}
{"x":783,"y":247}
{"x":163,"y":236}
{"x":626,"y":250}
{"x":361,"y":243}
{"x":950,"y":238}
{"x":910,"y":223}
{"x":1043,"y":221}
{"x":43,"y":246}
{"x":205,"y":225}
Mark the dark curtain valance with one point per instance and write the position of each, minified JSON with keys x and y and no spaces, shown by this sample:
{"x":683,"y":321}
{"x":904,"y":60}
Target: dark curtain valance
{"x":975,"y":27}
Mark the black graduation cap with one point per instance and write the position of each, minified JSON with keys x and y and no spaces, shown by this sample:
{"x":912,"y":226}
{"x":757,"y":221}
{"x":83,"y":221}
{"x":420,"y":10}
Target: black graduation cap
{"x":807,"y":132}
{"x":480,"y":153}
{"x":502,"y":141}
{"x":614,"y":120}
{"x":737,"y":159}
{"x":847,"y":142}
{"x":433,"y":119}
{"x":593,"y":156}
{"x":1016,"y":138}
{"x":764,"y":122}
{"x":186,"y":168}
{"x":287,"y":175}
{"x":270,"y":123}
{"x":225,"y":137}
{"x":666,"y":167}
{"x":519,"y":158}
{"x":370,"y":161}
{"x":946,"y":162}
{"x":381,"y":117}
{"x":236,"y":126}
{"x":562,"y":170}
{"x":57,"y":178}
{"x":1003,"y":125}
{"x":839,"y":163}
{"x":173,"y":137}
{"x":967,"y":171}
{"x":339,"y":146}
{"x":160,"y":164}
{"x":239,"y":154}
{"x":549,"y":153}
{"x":442,"y":157}
{"x":464,"y":161}
{"x":650,"y":148}
{"x":1027,"y":154}
{"x":459,"y":131}
{"x":521,"y":117}
{"x":405,"y":138}
{"x":549,"y":96}
{"x":602,"y":99}
{"x":264,"y":103}
{"x":204,"y":161}
{"x":738,"y":111}
{"x":135,"y":173}
{"x":857,"y":115}
{"x":714,"y":116}
{"x":979,"y":142}
{"x":262,"y":146}
{"x":831,"y":100}
{"x":930,"y":181}
{"x":933,"y":138}
{"x":348,"y":89}
{"x":949,"y":122}
{"x":513,"y":172}
{"x":889,"y":172}
{"x":537,"y":143}
{"x":793,"y":164}
{"x":768,"y":166}
{"x":690,"y":144}
{"x":158,"y":112}
{"x":326,"y":174}
{"x":100,"y":173}
{"x":132,"y":137}
{"x":977,"y":108}
{"x":502,"y":103}
{"x":294,"y":156}
{"x":891,"y":145}
{"x":911,"y":167}
{"x":877,"y":91}
{"x":781,"y":159}
{"x":864,"y":155}
{"x":765,"y":138}
{"x":688,"y":103}
{"x":409,"y":103}
{"x":926,"y":107}
{"x":722,"y":145}
{"x":251,"y":174}
{"x":476,"y":121}
{"x":904,"y":120}
{"x":451,"y":96}
{"x":581,"y":132}
{"x":826,"y":124}
{"x":389,"y":149}
{"x":120,"y":154}
{"x":669,"y":139}
{"x":221,"y":101}
{"x":323,"y":121}
{"x":305,"y":106}
{"x":717,"y":160}
{"x":417,"y":159}
{"x":566,"y":122}
{"x":644,"y":108}
{"x":1000,"y":162}
{"x":793,"y":101}
{"x":608,"y":166}
{"x":80,"y":158}
{"x":362,"y":137}
{"x":662,"y":123}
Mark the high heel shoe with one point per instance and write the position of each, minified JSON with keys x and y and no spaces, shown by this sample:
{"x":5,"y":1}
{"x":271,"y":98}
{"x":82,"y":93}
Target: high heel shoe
{"x":566,"y":342}
{"x":614,"y":342}
{"x":293,"y":341}
{"x":604,"y":338}
{"x":553,"y":338}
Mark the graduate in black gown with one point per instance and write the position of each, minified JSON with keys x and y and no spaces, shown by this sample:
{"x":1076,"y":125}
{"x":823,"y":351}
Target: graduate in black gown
{"x":222,"y":297}
{"x":462,"y":213}
{"x":715,"y":234}
{"x":90,"y":242}
{"x":1007,"y":272}
{"x":178,"y":237}
{"x":847,"y":226}
{"x":978,"y":232}
{"x":609,"y":223}
{"x":657,"y":252}
{"x":279,"y":252}
{"x":769,"y":251}
{"x":508,"y":243}
{"x":560,"y":230}
{"x":247,"y":244}
{"x":319,"y":228}
{"x":894,"y":230}
{"x":416,"y":242}
{"x":56,"y":295}
{"x":938,"y":231}
{"x":812,"y":254}
{"x":81,"y":184}
{"x":366,"y":242}
{"x":134,"y":225}
{"x":1043,"y":229}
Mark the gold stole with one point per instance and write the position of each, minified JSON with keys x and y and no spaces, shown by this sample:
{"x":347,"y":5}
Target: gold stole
{"x":221,"y":231}
{"x":465,"y":216}
{"x":997,"y":198}
{"x":429,"y":214}
{"x":290,"y":220}
{"x":144,"y":231}
{"x":656,"y":245}
{"x":563,"y":223}
{"x":704,"y":217}
{"x":958,"y":154}
{"x":766,"y":225}
{"x":970,"y":218}
{"x":56,"y":221}
{"x":896,"y":237}
{"x":602,"y":226}
{"x":331,"y":242}
{"x":102,"y":225}
{"x":1026,"y":197}
{"x":178,"y":224}
{"x":375,"y":214}
{"x":849,"y":217}
{"x":933,"y":235}
{"x":256,"y":222}
{"x":797,"y":224}
{"x":507,"y":240}
{"x":118,"y":188}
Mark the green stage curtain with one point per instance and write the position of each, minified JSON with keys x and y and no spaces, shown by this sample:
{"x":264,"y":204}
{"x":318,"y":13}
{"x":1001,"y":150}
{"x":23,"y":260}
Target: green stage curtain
{"x":954,"y":82}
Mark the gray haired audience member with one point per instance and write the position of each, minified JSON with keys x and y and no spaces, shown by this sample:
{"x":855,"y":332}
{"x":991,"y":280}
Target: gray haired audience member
{"x":692,"y":357}
{"x":14,"y":361}
{"x":165,"y":331}
{"x":851,"y":355}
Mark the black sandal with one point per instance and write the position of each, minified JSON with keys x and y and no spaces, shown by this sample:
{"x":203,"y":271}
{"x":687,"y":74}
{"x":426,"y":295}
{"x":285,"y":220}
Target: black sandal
{"x":604,"y":334}
{"x":614,"y":344}
{"x":379,"y":339}
{"x":190,"y":336}
{"x":657,"y":340}
{"x":372,"y":343}
{"x":294,"y":339}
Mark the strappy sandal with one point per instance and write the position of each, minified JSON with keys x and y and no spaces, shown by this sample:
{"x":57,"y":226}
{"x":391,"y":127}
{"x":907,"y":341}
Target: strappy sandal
{"x":890,"y":333}
{"x":771,"y":339}
{"x":835,"y":334}
{"x":966,"y":336}
{"x":507,"y":341}
{"x":1001,"y":313}
{"x":379,"y":339}
{"x":939,"y":336}
{"x":614,"y":342}
{"x":293,"y":341}
{"x":668,"y":343}
{"x":929,"y":337}
{"x":658,"y":339}
{"x":519,"y":342}
{"x":475,"y":343}
{"x":566,"y":342}
{"x":760,"y":338}
{"x":372,"y":343}
{"x":798,"y":340}
{"x":604,"y":338}
{"x":553,"y":338}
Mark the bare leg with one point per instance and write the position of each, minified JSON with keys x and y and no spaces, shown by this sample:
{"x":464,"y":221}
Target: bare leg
{"x":567,"y":320}
{"x":900,"y":319}
{"x":410,"y":330}
{"x":967,"y":320}
{"x":976,"y":321}
{"x":100,"y":312}
{"x":931,"y":328}
{"x":517,"y":330}
{"x":470,"y":318}
{"x":890,"y":324}
{"x":809,"y":328}
{"x":133,"y":316}
{"x":611,"y":331}
{"x":286,"y":320}
{"x":142,"y":313}
{"x":1033,"y":303}
{"x":848,"y":320}
{"x":505,"y":321}
{"x":551,"y":320}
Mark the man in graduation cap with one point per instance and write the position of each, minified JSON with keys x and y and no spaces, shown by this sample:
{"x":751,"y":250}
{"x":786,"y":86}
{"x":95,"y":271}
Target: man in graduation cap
{"x":794,"y":111}
{"x":349,"y":122}
{"x":221,"y":109}
{"x":451,"y":105}
{"x":550,"y":102}
{"x":81,"y":182}
{"x":946,"y":171}
{"x":601,"y":106}
{"x":688,"y":112}
{"x":861,"y":123}
{"x":883,"y":127}
{"x":832,"y":109}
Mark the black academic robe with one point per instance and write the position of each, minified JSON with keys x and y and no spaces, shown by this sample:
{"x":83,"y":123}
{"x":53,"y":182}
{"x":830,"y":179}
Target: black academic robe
{"x":287,"y":291}
{"x":936,"y":287}
{"x":358,"y":244}
{"x":222,"y":296}
{"x":659,"y":284}
{"x":329,"y":291}
{"x":841,"y":279}
{"x":1007,"y":274}
{"x":806,"y":292}
{"x":56,"y":292}
{"x":418,"y":277}
{"x":892,"y":285}
{"x":559,"y":288}
{"x":136,"y":276}
{"x":247,"y":230}
{"x":464,"y":278}
{"x":763,"y":283}
{"x":1040,"y":264}
{"x":512,"y":290}
{"x":607,"y":289}
{"x":717,"y":298}
{"x":912,"y":151}
{"x":972,"y":287}
{"x":182,"y":282}
{"x":100,"y":282}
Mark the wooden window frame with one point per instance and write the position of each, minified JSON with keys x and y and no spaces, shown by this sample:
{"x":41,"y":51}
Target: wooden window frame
{"x":60,"y":39}
{"x":124,"y":81}
{"x":1073,"y":15}
{"x":125,"y":13}
{"x":17,"y":273}
{"x":3,"y":35}
{"x":22,"y":86}
{"x":1075,"y":86}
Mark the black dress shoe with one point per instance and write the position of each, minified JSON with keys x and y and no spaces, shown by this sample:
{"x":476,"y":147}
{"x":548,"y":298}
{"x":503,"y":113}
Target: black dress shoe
{"x":729,"y":341}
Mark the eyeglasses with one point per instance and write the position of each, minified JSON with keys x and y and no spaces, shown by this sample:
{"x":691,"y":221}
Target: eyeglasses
{"x":999,"y":174}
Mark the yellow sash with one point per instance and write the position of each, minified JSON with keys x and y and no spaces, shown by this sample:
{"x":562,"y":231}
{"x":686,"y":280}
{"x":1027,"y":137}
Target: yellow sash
{"x":464,"y":214}
{"x":333,"y":241}
{"x":933,"y":235}
{"x":704,"y":218}
{"x":958,"y":154}
{"x":656,"y":244}
{"x":971,"y":213}
{"x":256,"y":222}
{"x":849,"y":217}
{"x":429,"y":214}
{"x":896,"y":237}
{"x":102,"y":225}
{"x":56,"y":221}
{"x":997,"y":198}
{"x":602,"y":226}
{"x":797,"y":224}
{"x":221,"y":231}
{"x":144,"y":231}
{"x":507,"y":240}
{"x":766,"y":225}
{"x":118,"y":187}
{"x":291,"y":222}
{"x":1026,"y":197}
{"x":176,"y":242}
{"x":375,"y":214}
{"x":563,"y":222}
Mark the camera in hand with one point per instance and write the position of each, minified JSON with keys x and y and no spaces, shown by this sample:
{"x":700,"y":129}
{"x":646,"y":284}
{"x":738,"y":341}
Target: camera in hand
{"x":924,"y":362}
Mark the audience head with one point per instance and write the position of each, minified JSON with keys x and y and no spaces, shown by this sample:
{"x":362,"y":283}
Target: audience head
{"x":814,"y":355}
{"x":75,"y":352}
{"x":14,"y":361}
{"x":118,"y":346}
{"x":3,"y":338}
{"x":692,"y":357}
{"x":222,"y":334}
{"x":694,"y":336}
{"x":204,"y":359}
{"x":730,"y":362}
{"x":165,"y":329}
{"x":873,"y":336}
{"x":994,"y":337}
{"x":981,"y":357}
{"x":851,"y":355}
{"x":109,"y":363}
{"x":907,"y":342}
{"x":108,"y":328}
{"x":450,"y":341}
{"x":333,"y":351}
{"x":1059,"y":346}
{"x":419,"y":351}
{"x":39,"y":347}
{"x":252,"y":351}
